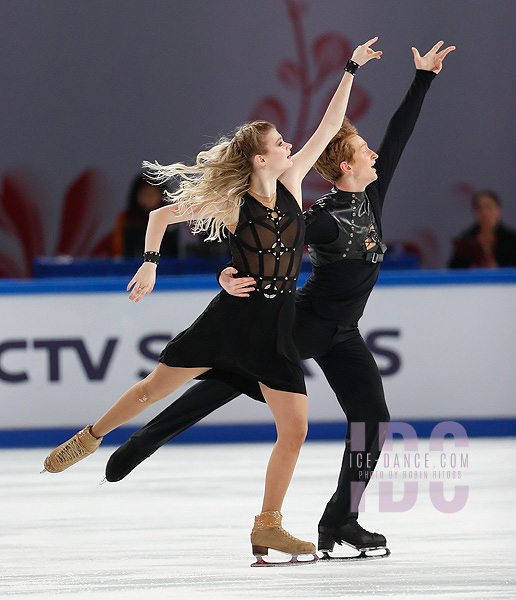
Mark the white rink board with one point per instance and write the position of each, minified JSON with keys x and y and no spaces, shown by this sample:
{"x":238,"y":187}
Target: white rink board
{"x":452,"y":342}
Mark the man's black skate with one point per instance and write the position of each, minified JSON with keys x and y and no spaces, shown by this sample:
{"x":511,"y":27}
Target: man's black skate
{"x":370,"y":545}
{"x":125,"y":459}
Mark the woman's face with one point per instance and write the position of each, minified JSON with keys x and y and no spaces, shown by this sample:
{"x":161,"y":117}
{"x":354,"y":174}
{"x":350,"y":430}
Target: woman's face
{"x":149,"y":197}
{"x":277,"y":153}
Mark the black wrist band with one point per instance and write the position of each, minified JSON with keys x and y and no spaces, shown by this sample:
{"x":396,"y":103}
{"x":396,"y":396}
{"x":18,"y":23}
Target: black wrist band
{"x":351,"y":67}
{"x":152,"y":257}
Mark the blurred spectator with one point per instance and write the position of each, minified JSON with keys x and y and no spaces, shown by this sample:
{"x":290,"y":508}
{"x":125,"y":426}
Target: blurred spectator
{"x":488,"y":243}
{"x":194,"y":245}
{"x":129,"y":234}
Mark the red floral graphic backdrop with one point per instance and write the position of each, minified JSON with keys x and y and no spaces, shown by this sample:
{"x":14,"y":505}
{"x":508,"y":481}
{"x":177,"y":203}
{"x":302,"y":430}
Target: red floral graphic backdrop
{"x":20,"y":219}
{"x":308,"y":78}
{"x":313,"y":70}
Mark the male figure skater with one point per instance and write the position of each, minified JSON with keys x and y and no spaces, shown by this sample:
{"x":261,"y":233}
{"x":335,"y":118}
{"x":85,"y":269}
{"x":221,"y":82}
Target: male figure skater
{"x":344,"y":235}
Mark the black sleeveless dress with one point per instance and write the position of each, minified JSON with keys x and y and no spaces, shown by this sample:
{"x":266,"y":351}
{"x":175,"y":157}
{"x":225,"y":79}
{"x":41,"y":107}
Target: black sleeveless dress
{"x":251,"y":340}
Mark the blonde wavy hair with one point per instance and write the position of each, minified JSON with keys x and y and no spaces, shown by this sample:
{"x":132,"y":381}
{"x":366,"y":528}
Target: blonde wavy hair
{"x":216,"y":184}
{"x":338,"y":150}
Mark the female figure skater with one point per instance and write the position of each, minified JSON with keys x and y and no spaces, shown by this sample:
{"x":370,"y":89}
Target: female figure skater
{"x":251,"y":187}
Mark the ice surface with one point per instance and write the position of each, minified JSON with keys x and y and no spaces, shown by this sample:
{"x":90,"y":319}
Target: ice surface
{"x":178,"y":527}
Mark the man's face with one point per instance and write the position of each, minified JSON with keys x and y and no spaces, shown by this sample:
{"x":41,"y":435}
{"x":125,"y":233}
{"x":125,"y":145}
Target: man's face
{"x":487,"y":212}
{"x":363,"y":161}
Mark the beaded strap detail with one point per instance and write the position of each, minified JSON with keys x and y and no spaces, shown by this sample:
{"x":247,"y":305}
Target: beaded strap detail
{"x":152,"y":257}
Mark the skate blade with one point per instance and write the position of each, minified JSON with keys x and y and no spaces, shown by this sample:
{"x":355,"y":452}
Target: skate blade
{"x":290,"y":563}
{"x":365,"y":554}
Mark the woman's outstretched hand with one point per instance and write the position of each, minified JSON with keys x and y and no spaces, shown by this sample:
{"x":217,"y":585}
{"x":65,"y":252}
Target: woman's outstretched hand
{"x":143,"y":281}
{"x":365,"y":53}
{"x":432,"y":60}
{"x":236,"y":286}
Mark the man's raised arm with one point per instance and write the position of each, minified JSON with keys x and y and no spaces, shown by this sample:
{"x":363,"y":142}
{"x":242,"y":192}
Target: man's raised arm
{"x":402,"y":124}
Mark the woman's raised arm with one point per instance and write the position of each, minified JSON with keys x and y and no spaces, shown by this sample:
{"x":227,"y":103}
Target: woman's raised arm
{"x":331,"y":122}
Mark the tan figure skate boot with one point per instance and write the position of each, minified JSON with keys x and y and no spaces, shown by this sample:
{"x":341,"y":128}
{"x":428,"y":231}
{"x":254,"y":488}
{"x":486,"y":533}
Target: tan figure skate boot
{"x":268,"y":533}
{"x":80,"y":446}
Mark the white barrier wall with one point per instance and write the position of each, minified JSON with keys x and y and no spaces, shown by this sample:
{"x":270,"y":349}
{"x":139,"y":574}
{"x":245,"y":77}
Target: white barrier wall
{"x":445,"y":351}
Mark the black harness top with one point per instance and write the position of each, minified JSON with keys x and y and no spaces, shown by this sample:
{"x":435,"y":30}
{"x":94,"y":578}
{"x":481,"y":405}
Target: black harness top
{"x":268,"y":243}
{"x":358,"y":233}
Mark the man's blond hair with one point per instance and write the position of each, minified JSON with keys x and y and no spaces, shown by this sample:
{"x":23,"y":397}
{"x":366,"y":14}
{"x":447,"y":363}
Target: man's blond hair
{"x":337,"y":151}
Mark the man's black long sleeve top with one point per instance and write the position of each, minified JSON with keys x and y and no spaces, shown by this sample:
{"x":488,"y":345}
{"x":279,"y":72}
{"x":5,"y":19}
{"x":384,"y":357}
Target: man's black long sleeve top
{"x":339,"y":290}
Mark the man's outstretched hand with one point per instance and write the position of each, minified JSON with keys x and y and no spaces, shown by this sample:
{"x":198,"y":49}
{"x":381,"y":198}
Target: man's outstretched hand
{"x":432,"y":60}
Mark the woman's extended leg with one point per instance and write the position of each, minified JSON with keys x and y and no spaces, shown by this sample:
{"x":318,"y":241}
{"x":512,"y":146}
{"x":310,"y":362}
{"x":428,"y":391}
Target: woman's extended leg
{"x":289,"y":411}
{"x":158,"y":384}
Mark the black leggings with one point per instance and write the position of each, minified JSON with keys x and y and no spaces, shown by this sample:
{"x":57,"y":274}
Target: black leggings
{"x":353,"y":375}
